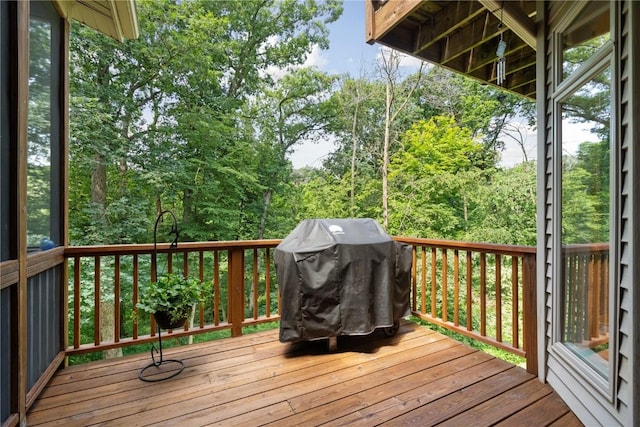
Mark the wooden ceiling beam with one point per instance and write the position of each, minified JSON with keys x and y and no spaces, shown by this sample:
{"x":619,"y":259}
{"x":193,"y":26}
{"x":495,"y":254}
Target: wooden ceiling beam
{"x":476,"y":33}
{"x":514,"y":18}
{"x":486,"y":53}
{"x":522,"y":77}
{"x":450,"y":18}
{"x":380,"y":22}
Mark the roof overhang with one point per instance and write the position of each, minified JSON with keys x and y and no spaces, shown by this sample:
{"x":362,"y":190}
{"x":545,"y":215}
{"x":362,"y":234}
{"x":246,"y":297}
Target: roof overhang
{"x":461,"y":35}
{"x":115,"y":18}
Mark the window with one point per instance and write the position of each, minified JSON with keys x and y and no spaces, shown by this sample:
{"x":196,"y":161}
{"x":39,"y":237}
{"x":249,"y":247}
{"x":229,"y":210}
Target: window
{"x":585,"y":229}
{"x":588,"y":33}
{"x":43,"y":168}
{"x":584,"y":112}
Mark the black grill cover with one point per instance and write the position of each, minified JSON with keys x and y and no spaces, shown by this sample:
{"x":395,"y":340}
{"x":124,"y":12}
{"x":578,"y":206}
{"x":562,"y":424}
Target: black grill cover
{"x":340,"y":277}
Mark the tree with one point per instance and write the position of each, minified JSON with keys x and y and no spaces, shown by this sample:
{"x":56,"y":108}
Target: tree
{"x":425,"y":176}
{"x":395,"y":103}
{"x":502,"y":206}
{"x":487,"y":111}
{"x":154,"y":120}
{"x":299,"y":108}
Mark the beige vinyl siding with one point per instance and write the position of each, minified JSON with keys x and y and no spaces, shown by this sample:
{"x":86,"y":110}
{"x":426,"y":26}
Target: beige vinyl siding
{"x":624,"y":319}
{"x":629,"y":163}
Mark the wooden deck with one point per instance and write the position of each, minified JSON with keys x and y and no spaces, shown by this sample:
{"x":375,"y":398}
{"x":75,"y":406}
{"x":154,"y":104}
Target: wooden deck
{"x":417,"y":378}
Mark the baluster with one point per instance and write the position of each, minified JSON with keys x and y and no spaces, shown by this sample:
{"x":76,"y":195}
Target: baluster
{"x":445,"y":314}
{"x":433,"y":283}
{"x":255,"y":284}
{"x":136,"y":273}
{"x":483,"y":294}
{"x":423,"y":277}
{"x":76,"y":301}
{"x":201,"y":278}
{"x":515,"y":321}
{"x":456,"y":287}
{"x":96,"y":301}
{"x":216,"y":288}
{"x":267,"y":281}
{"x":498,"y":297}
{"x":116,"y":300}
{"x":469,"y":291}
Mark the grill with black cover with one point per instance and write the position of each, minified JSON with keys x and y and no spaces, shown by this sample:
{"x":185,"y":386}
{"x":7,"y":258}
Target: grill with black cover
{"x":341,"y":277}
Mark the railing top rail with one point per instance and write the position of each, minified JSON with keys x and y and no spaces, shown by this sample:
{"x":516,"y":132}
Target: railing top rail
{"x":514,"y":250}
{"x":585,"y":248}
{"x":146,"y":248}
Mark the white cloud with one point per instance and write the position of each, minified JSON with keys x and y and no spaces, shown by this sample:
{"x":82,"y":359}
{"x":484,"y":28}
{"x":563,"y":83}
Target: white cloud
{"x":312,"y":154}
{"x":410,"y":61}
{"x":316,"y":58}
{"x":407,"y":64}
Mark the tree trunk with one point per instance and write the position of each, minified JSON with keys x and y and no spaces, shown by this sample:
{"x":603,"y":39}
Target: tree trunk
{"x":266,"y":199}
{"x":99,"y":192}
{"x":354,"y":150}
{"x":107,"y":321}
{"x":385,"y":157}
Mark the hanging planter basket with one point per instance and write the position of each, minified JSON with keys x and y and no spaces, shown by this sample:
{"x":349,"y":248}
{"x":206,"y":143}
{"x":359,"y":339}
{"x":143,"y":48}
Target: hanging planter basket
{"x":163,"y":319}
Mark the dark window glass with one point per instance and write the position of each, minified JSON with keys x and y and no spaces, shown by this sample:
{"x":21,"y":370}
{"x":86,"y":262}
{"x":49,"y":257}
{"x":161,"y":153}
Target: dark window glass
{"x":7,"y":153}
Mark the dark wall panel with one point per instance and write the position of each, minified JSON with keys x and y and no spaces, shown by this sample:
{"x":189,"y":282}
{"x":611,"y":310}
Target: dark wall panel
{"x":5,"y":353}
{"x":43,"y":322}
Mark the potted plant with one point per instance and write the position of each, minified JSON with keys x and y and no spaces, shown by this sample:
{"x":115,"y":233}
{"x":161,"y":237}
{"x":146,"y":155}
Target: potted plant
{"x":170,"y":299}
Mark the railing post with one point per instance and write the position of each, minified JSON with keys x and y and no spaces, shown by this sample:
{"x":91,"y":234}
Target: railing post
{"x":530,"y":312}
{"x":236,"y":290}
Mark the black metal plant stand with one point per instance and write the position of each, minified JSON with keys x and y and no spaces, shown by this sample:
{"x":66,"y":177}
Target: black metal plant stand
{"x":157,"y":351}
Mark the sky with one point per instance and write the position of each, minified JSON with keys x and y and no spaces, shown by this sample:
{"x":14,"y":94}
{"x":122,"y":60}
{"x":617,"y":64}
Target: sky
{"x":348,"y":53}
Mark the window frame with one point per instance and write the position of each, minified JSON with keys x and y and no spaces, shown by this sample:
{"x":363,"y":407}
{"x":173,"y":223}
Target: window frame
{"x":564,"y":88}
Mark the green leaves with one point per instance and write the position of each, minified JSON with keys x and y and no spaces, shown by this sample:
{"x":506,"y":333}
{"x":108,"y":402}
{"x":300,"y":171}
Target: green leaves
{"x":156,"y":122}
{"x":173,"y":294}
{"x":433,"y":146}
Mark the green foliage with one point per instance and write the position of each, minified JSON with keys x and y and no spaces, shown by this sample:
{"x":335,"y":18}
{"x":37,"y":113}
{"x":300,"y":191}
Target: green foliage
{"x":174,"y":294}
{"x":502,"y":206}
{"x":155,"y":121}
{"x":434,"y":146}
{"x":427,"y":182}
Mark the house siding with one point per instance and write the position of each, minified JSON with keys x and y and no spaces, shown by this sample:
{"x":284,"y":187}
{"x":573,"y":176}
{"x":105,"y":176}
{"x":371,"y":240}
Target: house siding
{"x":630,"y":210}
{"x":625,"y":321}
{"x":590,"y":403}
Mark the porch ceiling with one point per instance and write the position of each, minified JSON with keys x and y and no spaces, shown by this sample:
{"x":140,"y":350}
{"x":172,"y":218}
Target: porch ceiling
{"x":461,"y":35}
{"x":117,"y":19}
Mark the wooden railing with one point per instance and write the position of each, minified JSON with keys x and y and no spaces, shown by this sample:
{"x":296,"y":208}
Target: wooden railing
{"x":586,"y":296}
{"x":483,"y":291}
{"x":239,"y":278}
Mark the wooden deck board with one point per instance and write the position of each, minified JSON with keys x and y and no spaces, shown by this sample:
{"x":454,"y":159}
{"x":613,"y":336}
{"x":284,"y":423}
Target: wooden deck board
{"x":418,"y":377}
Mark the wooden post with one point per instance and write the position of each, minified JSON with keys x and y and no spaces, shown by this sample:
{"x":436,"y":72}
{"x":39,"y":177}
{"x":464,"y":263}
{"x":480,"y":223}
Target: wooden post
{"x":530,"y":313}
{"x":22,"y":67}
{"x":236,"y":290}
